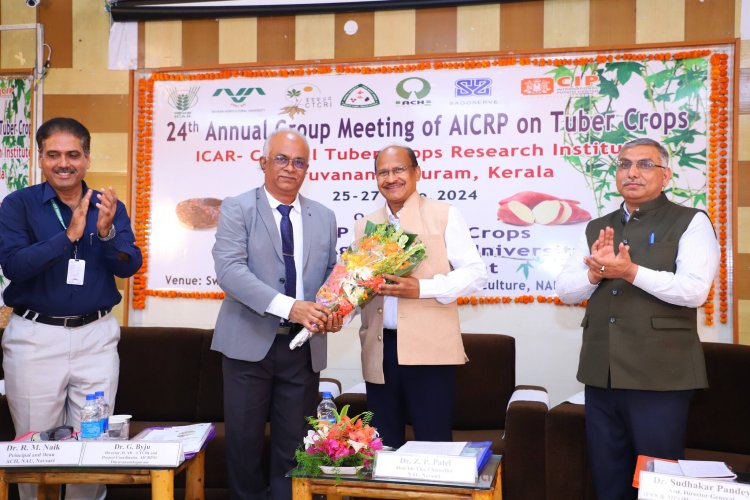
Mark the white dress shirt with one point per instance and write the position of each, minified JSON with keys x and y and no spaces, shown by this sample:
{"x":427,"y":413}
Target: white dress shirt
{"x":696,"y":264}
{"x":281,"y":305}
{"x":469,"y":273}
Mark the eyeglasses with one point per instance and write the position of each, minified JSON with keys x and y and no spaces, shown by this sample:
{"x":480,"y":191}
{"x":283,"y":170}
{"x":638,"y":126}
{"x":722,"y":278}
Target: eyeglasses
{"x":383,"y":174}
{"x":282,"y":161}
{"x":623,"y":164}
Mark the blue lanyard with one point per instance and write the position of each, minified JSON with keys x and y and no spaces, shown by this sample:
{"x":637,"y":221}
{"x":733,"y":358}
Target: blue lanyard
{"x":62,"y":223}
{"x":59,"y":215}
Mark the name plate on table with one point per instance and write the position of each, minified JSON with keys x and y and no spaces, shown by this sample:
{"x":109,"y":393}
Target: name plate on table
{"x":426,"y":467}
{"x":131,"y":453}
{"x":40,"y":453}
{"x":654,"y":486}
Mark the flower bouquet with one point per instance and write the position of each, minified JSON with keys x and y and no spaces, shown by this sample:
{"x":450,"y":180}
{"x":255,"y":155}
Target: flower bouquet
{"x":358,"y":275}
{"x":332,"y":447}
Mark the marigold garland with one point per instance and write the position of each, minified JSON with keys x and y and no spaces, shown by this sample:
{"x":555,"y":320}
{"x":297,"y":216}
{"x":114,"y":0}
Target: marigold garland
{"x":717,"y":178}
{"x":717,"y":152}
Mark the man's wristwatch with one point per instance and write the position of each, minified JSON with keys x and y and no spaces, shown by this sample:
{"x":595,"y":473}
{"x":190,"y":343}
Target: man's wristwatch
{"x":110,"y":234}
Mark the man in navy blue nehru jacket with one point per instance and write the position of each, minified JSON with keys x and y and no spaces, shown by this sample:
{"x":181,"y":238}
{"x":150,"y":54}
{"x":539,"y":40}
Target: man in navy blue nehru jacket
{"x":61,"y":246}
{"x":644,"y":269}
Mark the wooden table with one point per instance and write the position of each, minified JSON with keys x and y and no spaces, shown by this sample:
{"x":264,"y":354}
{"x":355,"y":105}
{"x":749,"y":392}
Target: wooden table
{"x":489,"y":486}
{"x":162,"y":480}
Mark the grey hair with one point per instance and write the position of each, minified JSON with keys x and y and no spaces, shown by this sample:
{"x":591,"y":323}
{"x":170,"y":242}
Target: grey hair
{"x":267,"y":144}
{"x":645,"y":141}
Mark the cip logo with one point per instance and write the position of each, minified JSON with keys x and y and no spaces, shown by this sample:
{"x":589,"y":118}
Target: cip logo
{"x":537,"y":86}
{"x":467,"y":87}
{"x":413,"y":91}
{"x":360,"y":96}
{"x":570,"y":85}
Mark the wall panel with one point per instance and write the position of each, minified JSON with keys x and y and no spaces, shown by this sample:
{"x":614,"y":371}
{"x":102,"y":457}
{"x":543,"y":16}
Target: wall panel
{"x":100,"y":113}
{"x":89,"y":29}
{"x":650,"y":25}
{"x":395,"y":33}
{"x":57,"y":18}
{"x":348,"y":43}
{"x":566,"y":23}
{"x":435,"y":30}
{"x":522,"y":25}
{"x":314,"y":37}
{"x":200,"y":42}
{"x":238,"y":40}
{"x":478,"y":28}
{"x":704,"y":20}
{"x":611,"y":23}
{"x":276,"y":38}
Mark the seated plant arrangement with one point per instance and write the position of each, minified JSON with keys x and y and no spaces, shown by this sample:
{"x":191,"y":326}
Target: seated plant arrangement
{"x":346,"y":446}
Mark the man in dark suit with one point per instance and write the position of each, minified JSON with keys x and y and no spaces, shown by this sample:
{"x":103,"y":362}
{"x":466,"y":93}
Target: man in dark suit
{"x":650,"y":265}
{"x":273,"y":250}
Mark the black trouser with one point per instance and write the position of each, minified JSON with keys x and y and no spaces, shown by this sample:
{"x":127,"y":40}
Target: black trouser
{"x":423,"y":392}
{"x":282,"y":387}
{"x":624,"y":423}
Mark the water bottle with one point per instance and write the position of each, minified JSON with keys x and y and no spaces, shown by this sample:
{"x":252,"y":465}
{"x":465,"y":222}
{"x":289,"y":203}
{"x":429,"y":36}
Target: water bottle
{"x":90,"y":424}
{"x":103,"y":413}
{"x":327,"y":409}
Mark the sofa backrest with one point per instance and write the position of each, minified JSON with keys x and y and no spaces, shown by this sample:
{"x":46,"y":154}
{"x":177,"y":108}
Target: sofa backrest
{"x":485,"y":384}
{"x":719,"y":415}
{"x":163,"y":374}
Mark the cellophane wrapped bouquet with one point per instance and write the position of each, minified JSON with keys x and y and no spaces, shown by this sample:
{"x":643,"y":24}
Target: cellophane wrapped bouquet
{"x":358,"y":275}
{"x":348,"y":442}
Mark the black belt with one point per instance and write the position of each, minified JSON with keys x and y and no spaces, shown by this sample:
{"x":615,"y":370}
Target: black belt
{"x":389,"y":331}
{"x":289,"y":329}
{"x":66,"y":321}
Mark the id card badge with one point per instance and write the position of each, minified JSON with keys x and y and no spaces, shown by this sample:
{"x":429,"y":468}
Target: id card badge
{"x":76,"y":269}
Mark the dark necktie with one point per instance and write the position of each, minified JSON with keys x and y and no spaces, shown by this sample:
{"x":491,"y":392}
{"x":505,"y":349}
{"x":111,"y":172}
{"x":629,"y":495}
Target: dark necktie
{"x":287,"y":249}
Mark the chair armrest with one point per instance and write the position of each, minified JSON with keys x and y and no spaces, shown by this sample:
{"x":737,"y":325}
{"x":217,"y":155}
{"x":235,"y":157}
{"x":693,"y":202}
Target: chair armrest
{"x":357,"y":402}
{"x":567,"y":472}
{"x":523,"y":462}
{"x":331,"y":385}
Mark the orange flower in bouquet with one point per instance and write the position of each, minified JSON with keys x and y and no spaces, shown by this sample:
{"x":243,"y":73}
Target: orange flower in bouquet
{"x":346,"y":443}
{"x":358,"y":276}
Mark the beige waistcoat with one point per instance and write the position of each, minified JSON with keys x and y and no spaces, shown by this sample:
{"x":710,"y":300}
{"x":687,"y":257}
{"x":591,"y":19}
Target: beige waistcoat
{"x":429,"y":332}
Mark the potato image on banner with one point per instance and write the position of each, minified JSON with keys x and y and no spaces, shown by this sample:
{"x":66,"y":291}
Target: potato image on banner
{"x":199,"y":213}
{"x":529,"y":207}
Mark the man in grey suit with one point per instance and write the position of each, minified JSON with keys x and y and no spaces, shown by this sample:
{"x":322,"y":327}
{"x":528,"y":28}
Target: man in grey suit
{"x":273,"y":250}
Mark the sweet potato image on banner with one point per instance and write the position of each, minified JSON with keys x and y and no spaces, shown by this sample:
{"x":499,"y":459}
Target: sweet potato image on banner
{"x":529,"y":207}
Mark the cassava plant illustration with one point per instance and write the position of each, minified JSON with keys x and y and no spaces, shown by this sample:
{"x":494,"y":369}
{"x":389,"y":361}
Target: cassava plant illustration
{"x":676,"y":93}
{"x":16,"y":111}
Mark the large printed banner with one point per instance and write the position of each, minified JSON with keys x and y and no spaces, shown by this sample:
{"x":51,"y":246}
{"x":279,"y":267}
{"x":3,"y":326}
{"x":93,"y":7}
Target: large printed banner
{"x":525,"y":148}
{"x":15,"y":138}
